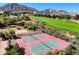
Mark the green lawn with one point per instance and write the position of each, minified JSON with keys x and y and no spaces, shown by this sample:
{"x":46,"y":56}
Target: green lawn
{"x":60,"y":24}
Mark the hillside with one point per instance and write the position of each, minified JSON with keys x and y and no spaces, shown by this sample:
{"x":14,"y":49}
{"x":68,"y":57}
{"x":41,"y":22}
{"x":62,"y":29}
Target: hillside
{"x":17,"y":7}
{"x":48,"y":12}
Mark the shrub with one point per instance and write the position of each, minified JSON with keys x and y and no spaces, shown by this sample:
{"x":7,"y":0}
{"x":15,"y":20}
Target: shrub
{"x":8,"y":34}
{"x":30,"y":26}
{"x":13,"y":35}
{"x":12,"y":22}
{"x":5,"y":35}
{"x":77,"y":36}
{"x":21,"y":23}
{"x":2,"y":23}
{"x":24,"y":17}
{"x":12,"y":31}
{"x":71,"y":50}
{"x":14,"y":50}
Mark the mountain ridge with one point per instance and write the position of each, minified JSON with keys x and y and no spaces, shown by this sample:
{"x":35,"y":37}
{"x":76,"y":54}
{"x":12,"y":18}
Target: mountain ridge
{"x":46,"y":12}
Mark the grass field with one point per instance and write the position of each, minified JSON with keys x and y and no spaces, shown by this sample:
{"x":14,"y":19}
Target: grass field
{"x":60,"y":24}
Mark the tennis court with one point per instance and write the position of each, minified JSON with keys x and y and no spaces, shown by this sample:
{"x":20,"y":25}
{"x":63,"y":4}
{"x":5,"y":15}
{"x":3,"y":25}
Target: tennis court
{"x":40,"y":43}
{"x":39,"y":36}
{"x":28,"y":39}
{"x":43,"y":47}
{"x":38,"y":49}
{"x":51,"y":44}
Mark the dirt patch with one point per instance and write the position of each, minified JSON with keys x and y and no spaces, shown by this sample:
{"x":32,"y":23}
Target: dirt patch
{"x":3,"y":45}
{"x":12,"y":16}
{"x":26,"y":32}
{"x":76,"y":21}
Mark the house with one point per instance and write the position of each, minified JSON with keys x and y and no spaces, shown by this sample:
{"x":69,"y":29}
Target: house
{"x":1,"y":11}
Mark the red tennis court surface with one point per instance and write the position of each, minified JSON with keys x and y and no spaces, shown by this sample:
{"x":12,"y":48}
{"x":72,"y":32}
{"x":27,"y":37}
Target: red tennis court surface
{"x":41,"y":43}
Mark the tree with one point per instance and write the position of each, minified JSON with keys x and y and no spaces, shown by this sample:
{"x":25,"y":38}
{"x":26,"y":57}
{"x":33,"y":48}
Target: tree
{"x":76,"y":17}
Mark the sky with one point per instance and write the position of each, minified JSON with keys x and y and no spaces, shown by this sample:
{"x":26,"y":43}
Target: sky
{"x":70,"y":7}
